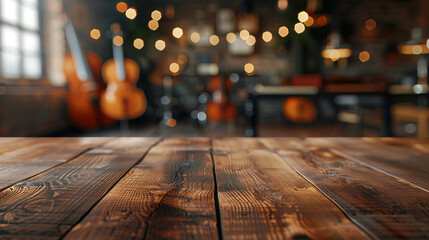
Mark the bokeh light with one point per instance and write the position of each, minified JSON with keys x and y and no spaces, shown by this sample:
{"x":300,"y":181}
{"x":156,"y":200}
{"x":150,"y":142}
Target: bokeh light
{"x":95,"y":34}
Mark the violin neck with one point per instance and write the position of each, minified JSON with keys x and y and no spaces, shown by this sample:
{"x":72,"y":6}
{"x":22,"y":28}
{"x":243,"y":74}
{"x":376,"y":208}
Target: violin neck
{"x":79,"y":59}
{"x":118,"y":57}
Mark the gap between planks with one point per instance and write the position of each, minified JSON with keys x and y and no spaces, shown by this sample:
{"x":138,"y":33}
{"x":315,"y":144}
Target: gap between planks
{"x":216,"y":195}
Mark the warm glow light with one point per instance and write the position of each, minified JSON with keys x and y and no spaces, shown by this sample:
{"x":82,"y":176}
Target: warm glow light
{"x":121,"y":7}
{"x":138,"y":43}
{"x":182,"y":59}
{"x":231,"y":38}
{"x":174,"y":68}
{"x":251,"y":40}
{"x":267,"y":36}
{"x":337,"y":53}
{"x":195,"y":37}
{"x":303,"y":16}
{"x":177,"y":32}
{"x":364,"y":56}
{"x":370,"y":24}
{"x":95,"y":34}
{"x":249,"y":68}
{"x":283,"y":31}
{"x":322,"y":21}
{"x":171,"y":122}
{"x":299,"y":28}
{"x":131,"y":13}
{"x":244,"y":34}
{"x":416,"y":49}
{"x":214,"y":40}
{"x":160,"y":45}
{"x":118,"y":40}
{"x":153,"y":25}
{"x":282,"y":4}
{"x":309,"y":22}
{"x":156,"y":15}
{"x":169,"y":11}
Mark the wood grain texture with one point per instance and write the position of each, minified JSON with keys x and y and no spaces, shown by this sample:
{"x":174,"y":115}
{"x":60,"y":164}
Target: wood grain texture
{"x":33,"y":155}
{"x":385,"y":206}
{"x":169,"y":195}
{"x":49,"y":204}
{"x":12,"y":143}
{"x":262,"y":197}
{"x":406,"y":158}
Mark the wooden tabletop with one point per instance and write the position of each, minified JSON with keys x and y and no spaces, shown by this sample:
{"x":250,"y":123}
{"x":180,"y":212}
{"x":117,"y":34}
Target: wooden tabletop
{"x":201,"y":188}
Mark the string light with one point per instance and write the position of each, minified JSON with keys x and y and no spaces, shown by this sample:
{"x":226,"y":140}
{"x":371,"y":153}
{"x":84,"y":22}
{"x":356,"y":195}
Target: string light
{"x":251,"y":40}
{"x":177,"y":32}
{"x":160,"y":45}
{"x":153,"y":25}
{"x":171,"y":122}
{"x":131,"y":13}
{"x":309,"y":22}
{"x":303,"y":16}
{"x":249,"y":69}
{"x":267,"y":36}
{"x":156,"y":15}
{"x":364,"y":56}
{"x":299,"y":28}
{"x":121,"y":7}
{"x":214,"y":40}
{"x":370,"y":24}
{"x":174,"y":68}
{"x":282,"y":4}
{"x":95,"y":34}
{"x":322,"y":21}
{"x":231,"y":38}
{"x":138,"y":43}
{"x":244,"y":34}
{"x":118,"y":40}
{"x":283,"y":31}
{"x":195,"y":37}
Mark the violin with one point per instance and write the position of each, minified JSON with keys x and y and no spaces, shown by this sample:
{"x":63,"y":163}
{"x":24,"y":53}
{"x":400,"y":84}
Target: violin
{"x":121,"y":100}
{"x":220,"y":109}
{"x":83,"y":74}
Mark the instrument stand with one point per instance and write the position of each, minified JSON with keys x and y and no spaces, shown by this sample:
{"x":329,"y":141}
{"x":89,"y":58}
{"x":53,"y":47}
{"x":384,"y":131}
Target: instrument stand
{"x":124,"y":123}
{"x":125,"y":129}
{"x":166,"y":102}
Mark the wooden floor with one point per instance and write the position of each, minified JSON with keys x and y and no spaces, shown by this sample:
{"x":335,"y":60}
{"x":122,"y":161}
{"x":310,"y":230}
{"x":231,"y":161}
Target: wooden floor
{"x":201,"y":188}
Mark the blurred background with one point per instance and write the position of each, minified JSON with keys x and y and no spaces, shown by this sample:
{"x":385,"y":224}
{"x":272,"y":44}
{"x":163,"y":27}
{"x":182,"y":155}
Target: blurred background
{"x":214,"y":68}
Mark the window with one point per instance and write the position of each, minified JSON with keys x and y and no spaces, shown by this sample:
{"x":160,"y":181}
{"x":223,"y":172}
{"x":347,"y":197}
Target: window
{"x":20,"y":41}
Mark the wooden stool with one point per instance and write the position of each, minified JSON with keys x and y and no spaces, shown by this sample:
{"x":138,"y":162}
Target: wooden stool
{"x":407,"y":112}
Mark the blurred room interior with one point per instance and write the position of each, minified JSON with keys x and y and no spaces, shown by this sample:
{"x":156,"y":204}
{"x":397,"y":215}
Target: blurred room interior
{"x":214,"y":68}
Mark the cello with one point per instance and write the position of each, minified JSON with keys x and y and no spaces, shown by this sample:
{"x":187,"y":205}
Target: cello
{"x":83,"y":74}
{"x":220,"y":109}
{"x":121,"y":100}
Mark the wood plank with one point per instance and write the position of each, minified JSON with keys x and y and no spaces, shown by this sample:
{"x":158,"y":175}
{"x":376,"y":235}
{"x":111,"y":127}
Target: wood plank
{"x":8,"y":144}
{"x":406,"y":158}
{"x":385,"y":206}
{"x":49,"y":204}
{"x":169,"y":195}
{"x":36,"y":155}
{"x":262,"y":197}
